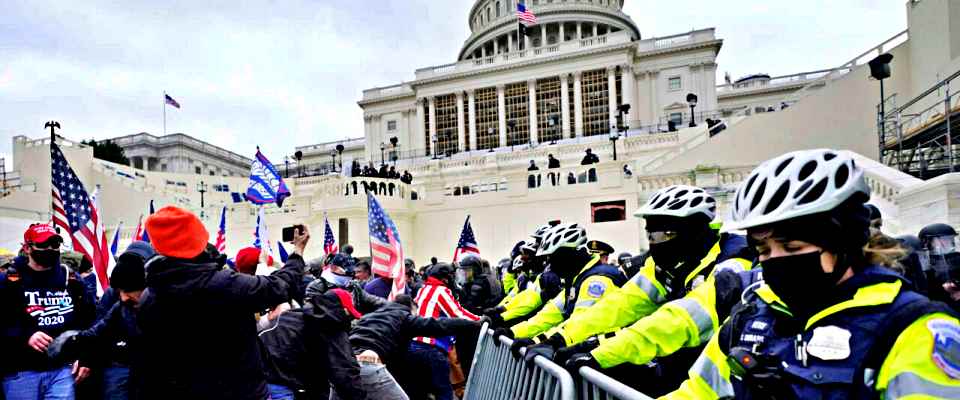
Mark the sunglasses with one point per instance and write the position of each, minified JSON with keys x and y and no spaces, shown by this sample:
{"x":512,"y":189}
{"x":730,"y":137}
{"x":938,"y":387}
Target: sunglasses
{"x":661,"y":236}
{"x":49,"y":245}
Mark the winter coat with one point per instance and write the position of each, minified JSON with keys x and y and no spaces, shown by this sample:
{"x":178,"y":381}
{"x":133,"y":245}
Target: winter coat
{"x":199,"y":333}
{"x":32,"y":301}
{"x":308,"y":349}
{"x":390,"y":329}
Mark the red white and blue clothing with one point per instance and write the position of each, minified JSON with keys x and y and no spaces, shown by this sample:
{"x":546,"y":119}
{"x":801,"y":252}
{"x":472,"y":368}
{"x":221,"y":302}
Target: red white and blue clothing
{"x":435,"y":300}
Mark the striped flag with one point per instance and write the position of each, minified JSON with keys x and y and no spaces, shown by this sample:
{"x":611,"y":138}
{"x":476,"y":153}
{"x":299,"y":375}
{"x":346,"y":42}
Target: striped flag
{"x":386,"y":251}
{"x":266,"y":185}
{"x":169,"y":100}
{"x":115,"y":243}
{"x":222,"y":232}
{"x":467,"y":244}
{"x":76,"y":212}
{"x":526,"y":16}
{"x":138,"y":233}
{"x":329,"y":242}
{"x":283,"y":252}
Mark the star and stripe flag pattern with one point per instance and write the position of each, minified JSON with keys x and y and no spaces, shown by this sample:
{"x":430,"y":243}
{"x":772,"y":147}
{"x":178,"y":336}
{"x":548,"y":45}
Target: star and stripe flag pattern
{"x":386,"y":251}
{"x":329,"y":242}
{"x":467,"y":245}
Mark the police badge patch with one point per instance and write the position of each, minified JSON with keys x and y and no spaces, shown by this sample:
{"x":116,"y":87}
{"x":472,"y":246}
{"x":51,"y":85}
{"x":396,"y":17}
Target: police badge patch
{"x":596,"y":289}
{"x":946,"y":346}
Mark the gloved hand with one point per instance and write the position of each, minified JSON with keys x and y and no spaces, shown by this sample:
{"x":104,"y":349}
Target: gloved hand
{"x":501,"y":332}
{"x":519,"y":344}
{"x":564,"y":354}
{"x":494,"y":318}
{"x":581,"y":360}
{"x":542,"y":349}
{"x":64,"y":346}
{"x":494,"y":310}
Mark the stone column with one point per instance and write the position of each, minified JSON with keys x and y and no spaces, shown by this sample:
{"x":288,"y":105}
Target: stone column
{"x":579,"y":30}
{"x":595,"y":29}
{"x":414,"y":142}
{"x":502,"y":114}
{"x":612,"y":94}
{"x":629,"y":84}
{"x":561,"y":38}
{"x":526,"y":42}
{"x":578,"y":103}
{"x":543,"y":35}
{"x":496,"y":46}
{"x":532,"y":107}
{"x":564,"y":106}
{"x":472,"y":112}
{"x":483,"y":51}
{"x":510,"y":42}
{"x":654,"y":98}
{"x":433,"y":124}
{"x":461,"y":131}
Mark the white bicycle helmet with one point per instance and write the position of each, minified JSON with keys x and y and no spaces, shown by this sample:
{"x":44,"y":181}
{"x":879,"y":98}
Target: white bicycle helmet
{"x":797,"y":184}
{"x":563,"y":235}
{"x":679,"y":201}
{"x":538,"y":234}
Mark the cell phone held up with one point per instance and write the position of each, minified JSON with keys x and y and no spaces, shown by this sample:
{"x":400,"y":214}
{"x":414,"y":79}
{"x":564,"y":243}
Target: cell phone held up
{"x":288,"y":232}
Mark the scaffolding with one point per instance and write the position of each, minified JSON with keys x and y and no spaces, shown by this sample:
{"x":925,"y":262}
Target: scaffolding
{"x":920,"y":136}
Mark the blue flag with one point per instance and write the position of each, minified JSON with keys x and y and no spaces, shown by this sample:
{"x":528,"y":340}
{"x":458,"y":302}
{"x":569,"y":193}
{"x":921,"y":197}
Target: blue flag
{"x":283,"y":252}
{"x":266,"y":185}
{"x":146,"y":237}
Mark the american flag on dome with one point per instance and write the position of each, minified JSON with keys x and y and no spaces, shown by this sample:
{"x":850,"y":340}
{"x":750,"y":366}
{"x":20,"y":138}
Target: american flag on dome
{"x":526,"y":16}
{"x":76,"y":212}
{"x":222,"y":232}
{"x":467,"y":244}
{"x":386,"y":252}
{"x":329,"y":242}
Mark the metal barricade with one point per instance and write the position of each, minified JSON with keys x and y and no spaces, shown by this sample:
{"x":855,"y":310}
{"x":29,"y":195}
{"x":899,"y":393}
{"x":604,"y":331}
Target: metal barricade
{"x":495,"y":375}
{"x":597,"y":386}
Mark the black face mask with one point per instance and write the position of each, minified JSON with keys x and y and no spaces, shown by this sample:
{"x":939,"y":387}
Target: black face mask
{"x":668,"y":254}
{"x":800,"y":282}
{"x":46,"y":258}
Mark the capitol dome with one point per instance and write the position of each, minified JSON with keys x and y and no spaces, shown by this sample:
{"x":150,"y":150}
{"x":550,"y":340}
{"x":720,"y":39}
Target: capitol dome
{"x":493,"y":24}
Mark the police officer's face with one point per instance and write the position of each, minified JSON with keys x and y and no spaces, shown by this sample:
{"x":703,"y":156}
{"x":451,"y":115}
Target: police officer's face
{"x":768,"y":247}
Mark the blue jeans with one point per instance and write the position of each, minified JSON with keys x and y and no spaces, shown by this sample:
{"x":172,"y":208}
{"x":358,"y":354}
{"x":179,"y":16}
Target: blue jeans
{"x":279,"y":392}
{"x":55,"y":384}
{"x":116,"y":383}
{"x":432,"y":360}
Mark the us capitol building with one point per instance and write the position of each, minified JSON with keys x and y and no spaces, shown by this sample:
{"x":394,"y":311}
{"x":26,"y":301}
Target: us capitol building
{"x":584,"y":77}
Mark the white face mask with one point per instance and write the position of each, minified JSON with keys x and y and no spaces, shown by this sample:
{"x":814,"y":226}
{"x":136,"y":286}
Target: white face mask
{"x":335,"y":279}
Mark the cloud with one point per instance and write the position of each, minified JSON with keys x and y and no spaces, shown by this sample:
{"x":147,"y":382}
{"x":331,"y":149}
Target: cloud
{"x":292,"y":71}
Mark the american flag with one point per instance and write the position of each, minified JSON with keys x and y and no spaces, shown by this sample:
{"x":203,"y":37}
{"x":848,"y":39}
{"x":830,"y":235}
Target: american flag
{"x":526,"y":16}
{"x":76,"y":212}
{"x":467,"y":244}
{"x":329,"y":242}
{"x":169,"y":100}
{"x":138,"y":233}
{"x":142,"y":235}
{"x":115,"y":243}
{"x":386,"y":252}
{"x":222,"y":232}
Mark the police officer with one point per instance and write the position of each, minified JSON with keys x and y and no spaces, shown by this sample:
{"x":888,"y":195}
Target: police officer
{"x":586,"y":281}
{"x":823,"y":322}
{"x":671,"y":306}
{"x":477,"y":292}
{"x":939,"y":242}
{"x":602,"y":249}
{"x":536,"y":284}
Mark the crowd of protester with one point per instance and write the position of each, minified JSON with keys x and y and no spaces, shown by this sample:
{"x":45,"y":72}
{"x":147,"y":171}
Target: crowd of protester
{"x":799,"y":294}
{"x":385,"y":172}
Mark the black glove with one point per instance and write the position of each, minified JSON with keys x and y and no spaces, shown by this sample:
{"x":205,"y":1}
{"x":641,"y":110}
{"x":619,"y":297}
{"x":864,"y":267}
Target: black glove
{"x":581,"y":360}
{"x":501,"y":332}
{"x":64,"y":346}
{"x":585,"y":346}
{"x":543,"y":349}
{"x":494,"y":316}
{"x":494,"y":310}
{"x":519,"y":344}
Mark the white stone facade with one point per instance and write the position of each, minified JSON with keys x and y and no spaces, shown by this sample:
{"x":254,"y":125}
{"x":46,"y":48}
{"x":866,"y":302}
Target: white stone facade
{"x":180,"y":153}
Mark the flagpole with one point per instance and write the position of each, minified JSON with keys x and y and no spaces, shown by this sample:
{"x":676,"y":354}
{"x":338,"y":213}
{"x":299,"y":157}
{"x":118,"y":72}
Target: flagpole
{"x":369,"y":244}
{"x":164,"y":113}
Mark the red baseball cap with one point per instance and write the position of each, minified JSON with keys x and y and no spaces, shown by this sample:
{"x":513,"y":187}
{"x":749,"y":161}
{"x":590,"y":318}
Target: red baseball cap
{"x":347,"y":300}
{"x":40,"y":233}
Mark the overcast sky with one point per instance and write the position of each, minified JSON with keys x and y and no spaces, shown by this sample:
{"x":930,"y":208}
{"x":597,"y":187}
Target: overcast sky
{"x":285,"y":73}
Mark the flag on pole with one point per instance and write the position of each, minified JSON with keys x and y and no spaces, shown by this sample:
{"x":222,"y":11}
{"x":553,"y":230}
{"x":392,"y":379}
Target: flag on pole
{"x":169,"y":100}
{"x":115,"y":243}
{"x":467,"y":244}
{"x":329,"y":242}
{"x":76,"y":213}
{"x":386,"y":252}
{"x":266,"y":185}
{"x":222,"y":232}
{"x":526,"y":16}
{"x":101,"y":235}
{"x":283,"y":252}
{"x":144,"y":236}
{"x":261,"y":238}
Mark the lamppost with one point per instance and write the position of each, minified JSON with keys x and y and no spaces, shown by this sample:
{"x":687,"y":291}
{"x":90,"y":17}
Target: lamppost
{"x":623,"y":125}
{"x":299,"y":156}
{"x":511,"y":126}
{"x":614,"y":136}
{"x":552,"y":122}
{"x":382,"y":148}
{"x":880,"y":70}
{"x":202,"y":188}
{"x":692,"y":101}
{"x":340,"y":152}
{"x":490,"y":133}
{"x":333,"y":160}
{"x":433,"y":139}
{"x":286,"y":166}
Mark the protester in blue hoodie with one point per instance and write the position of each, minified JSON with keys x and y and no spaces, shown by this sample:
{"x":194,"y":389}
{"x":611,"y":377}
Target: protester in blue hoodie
{"x":37,"y":303}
